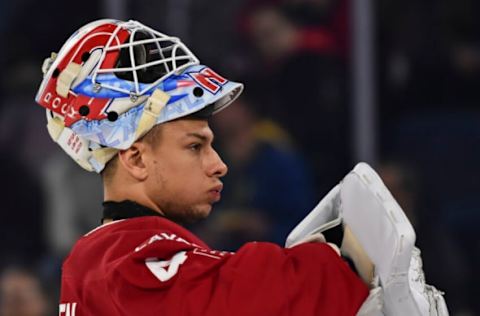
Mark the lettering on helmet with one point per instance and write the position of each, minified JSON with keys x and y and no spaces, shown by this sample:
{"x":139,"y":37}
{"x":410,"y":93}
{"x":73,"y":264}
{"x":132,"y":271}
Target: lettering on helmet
{"x":64,"y":108}
{"x":209,"y":79}
{"x":71,"y":112}
{"x":47,"y":97}
{"x":56,"y":105}
{"x":74,"y":142}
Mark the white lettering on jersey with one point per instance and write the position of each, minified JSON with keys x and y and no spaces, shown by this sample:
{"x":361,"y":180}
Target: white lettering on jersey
{"x":164,"y":236}
{"x":167,"y":269}
{"x":210,"y":253}
{"x":67,"y":309}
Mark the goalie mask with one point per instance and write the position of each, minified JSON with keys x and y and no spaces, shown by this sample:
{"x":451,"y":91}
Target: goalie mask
{"x":112,"y":81}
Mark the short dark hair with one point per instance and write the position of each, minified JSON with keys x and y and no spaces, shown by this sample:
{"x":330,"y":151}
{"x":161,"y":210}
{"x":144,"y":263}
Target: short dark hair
{"x":151,"y":138}
{"x":109,"y":169}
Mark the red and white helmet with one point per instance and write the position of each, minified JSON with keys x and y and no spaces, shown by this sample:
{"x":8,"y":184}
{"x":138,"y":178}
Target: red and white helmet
{"x":112,"y":81}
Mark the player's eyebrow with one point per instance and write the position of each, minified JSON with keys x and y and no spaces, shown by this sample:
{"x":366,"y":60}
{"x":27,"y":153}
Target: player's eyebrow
{"x":202,"y":137}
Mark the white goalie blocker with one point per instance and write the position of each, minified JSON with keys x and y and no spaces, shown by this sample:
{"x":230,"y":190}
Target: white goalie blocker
{"x":376,"y":231}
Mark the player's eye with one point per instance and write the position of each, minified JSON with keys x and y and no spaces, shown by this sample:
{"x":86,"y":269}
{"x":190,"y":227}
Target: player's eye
{"x":195,"y":147}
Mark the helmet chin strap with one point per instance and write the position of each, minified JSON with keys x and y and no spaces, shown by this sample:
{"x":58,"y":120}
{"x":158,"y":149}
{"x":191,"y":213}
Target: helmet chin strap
{"x":87,"y":67}
{"x":66,"y":78}
{"x":47,"y":63}
{"x":152,"y":110}
{"x":74,"y":73}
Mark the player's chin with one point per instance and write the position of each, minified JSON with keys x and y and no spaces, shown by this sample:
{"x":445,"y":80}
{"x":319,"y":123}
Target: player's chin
{"x":199,"y":213}
{"x":204,"y":211}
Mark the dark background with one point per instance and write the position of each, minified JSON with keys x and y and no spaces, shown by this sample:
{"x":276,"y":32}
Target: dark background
{"x":296,"y":60}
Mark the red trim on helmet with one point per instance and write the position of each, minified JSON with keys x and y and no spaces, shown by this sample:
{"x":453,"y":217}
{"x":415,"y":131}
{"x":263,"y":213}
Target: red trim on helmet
{"x":208,"y":79}
{"x":68,"y":107}
{"x":95,"y":106}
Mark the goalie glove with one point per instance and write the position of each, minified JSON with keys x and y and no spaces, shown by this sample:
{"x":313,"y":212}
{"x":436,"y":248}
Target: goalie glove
{"x":322,"y":218}
{"x":380,"y":227}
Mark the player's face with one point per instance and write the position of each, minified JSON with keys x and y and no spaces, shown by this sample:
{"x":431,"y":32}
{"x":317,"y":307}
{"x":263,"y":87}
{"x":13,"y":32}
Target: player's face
{"x":184,"y":170}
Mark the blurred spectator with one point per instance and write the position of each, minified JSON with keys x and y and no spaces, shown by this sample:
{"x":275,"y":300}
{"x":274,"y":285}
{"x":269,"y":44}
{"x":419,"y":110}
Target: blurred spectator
{"x":22,"y":294}
{"x":430,"y":55}
{"x":273,"y":34}
{"x":282,"y":27}
{"x":268,"y":188}
{"x":303,"y":82}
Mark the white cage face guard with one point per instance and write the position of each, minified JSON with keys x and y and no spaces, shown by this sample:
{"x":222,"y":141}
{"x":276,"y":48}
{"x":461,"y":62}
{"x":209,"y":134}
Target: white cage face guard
{"x":149,"y":51}
{"x":112,"y":81}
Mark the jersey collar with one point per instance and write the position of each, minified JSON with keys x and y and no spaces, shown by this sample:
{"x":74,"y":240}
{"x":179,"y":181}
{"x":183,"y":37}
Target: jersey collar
{"x":125,"y":209}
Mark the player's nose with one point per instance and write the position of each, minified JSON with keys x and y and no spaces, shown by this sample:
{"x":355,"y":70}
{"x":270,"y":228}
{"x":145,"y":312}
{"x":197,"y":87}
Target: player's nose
{"x":217,"y":168}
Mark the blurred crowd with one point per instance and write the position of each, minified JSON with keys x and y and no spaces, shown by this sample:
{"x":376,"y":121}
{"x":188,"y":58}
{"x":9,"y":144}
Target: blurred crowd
{"x":287,"y":141}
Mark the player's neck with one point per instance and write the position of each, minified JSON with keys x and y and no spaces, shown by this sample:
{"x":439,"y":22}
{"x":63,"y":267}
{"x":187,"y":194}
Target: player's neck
{"x":118,"y":192}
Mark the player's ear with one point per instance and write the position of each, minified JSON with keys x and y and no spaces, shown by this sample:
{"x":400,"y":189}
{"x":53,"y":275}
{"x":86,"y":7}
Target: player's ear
{"x":133,"y":161}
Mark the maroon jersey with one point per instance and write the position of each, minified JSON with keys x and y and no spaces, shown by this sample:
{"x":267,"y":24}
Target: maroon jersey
{"x":152,"y":266}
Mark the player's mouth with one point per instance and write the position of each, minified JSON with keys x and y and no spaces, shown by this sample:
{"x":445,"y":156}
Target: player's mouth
{"x":215,"y":193}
